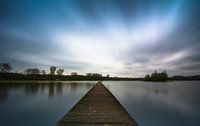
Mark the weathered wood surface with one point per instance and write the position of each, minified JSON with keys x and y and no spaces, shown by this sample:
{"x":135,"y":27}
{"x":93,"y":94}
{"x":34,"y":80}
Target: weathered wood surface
{"x":98,"y":107}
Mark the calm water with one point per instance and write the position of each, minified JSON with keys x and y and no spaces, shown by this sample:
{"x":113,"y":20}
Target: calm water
{"x":151,"y":104}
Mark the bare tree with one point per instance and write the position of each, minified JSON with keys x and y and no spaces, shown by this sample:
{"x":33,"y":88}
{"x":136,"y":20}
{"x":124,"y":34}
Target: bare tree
{"x":52,"y":70}
{"x":60,"y":71}
{"x":5,"y":67}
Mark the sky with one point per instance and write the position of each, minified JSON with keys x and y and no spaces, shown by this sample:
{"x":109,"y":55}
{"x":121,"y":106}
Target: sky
{"x":127,"y":38}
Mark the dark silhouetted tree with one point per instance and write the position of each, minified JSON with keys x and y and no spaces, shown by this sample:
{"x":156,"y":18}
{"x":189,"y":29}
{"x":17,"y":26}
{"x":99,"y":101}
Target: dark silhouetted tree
{"x":89,"y":74}
{"x":35,"y":71}
{"x":32,"y":71}
{"x":93,"y":75}
{"x":43,"y":72}
{"x":157,"y":76}
{"x":52,"y":70}
{"x":60,"y":71}
{"x":74,"y":73}
{"x":5,"y":67}
{"x":147,"y":77}
{"x":107,"y":75}
{"x":28,"y":71}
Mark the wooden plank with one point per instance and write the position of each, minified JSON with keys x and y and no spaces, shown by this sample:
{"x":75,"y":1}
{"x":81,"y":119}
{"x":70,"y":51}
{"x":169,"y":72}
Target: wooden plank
{"x":100,"y":108}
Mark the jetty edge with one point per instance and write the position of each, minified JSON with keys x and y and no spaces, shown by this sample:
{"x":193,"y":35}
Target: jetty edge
{"x":98,"y":107}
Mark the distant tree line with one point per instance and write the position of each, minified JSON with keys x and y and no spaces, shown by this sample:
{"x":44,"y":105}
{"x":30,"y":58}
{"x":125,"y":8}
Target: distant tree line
{"x":162,"y":76}
{"x":37,"y":74}
{"x":177,"y":78}
{"x":36,"y":71}
{"x":57,"y":74}
{"x":33,"y":71}
{"x":93,"y":75}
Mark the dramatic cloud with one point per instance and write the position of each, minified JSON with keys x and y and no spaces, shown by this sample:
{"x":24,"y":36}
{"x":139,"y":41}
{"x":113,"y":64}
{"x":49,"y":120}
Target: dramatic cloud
{"x":119,"y":37}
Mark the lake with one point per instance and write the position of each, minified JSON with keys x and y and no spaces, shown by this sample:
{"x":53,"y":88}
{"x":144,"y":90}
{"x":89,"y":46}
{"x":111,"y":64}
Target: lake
{"x":175,"y":103}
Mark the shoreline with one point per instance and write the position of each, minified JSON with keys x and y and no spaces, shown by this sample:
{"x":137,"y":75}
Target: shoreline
{"x":47,"y":81}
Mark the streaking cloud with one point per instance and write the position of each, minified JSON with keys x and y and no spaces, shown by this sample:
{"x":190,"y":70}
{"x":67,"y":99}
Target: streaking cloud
{"x":105,"y":48}
{"x":120,"y":37}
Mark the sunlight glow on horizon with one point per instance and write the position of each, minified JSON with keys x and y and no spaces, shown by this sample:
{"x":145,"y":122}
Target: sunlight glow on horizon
{"x":102,"y":48}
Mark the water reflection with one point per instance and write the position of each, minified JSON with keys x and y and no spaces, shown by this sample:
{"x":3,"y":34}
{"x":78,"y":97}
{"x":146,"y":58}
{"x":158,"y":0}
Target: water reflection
{"x":155,"y":104}
{"x":151,"y":104}
{"x":73,"y":86}
{"x":38,"y":103}
{"x":51,"y":89}
{"x":59,"y":88}
{"x":33,"y":88}
{"x":3,"y":93}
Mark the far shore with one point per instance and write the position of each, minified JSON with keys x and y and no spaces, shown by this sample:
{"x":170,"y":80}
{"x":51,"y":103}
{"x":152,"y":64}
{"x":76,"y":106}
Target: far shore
{"x":159,"y":77}
{"x":57,"y":81}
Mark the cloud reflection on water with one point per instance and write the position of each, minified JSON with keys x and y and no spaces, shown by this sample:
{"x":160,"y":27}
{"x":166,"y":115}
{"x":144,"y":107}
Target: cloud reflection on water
{"x":152,"y":101}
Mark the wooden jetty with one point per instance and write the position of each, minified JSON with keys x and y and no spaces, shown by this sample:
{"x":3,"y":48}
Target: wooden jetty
{"x":98,"y":108}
